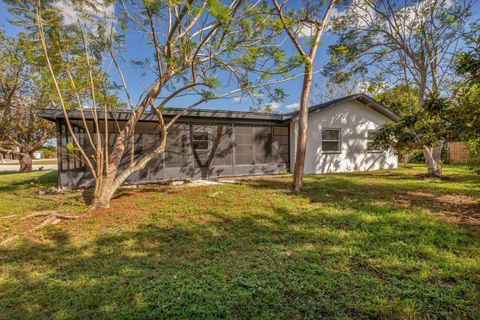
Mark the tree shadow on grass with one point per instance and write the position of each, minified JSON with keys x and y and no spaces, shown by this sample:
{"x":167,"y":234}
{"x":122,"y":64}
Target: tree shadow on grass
{"x":278,"y":264}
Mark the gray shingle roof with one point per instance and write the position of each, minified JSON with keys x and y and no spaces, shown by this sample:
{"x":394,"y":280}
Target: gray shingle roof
{"x":52,"y":114}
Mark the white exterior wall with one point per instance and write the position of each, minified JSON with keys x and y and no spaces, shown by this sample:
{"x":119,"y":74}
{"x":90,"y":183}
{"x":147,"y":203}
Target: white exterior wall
{"x":354,"y":119}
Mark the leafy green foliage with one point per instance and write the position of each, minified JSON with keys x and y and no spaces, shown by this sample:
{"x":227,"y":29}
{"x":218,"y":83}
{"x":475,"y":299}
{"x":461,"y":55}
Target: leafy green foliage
{"x":401,"y":99}
{"x":467,"y":119}
{"x":425,"y":127}
{"x":66,"y":45}
{"x":22,"y":91}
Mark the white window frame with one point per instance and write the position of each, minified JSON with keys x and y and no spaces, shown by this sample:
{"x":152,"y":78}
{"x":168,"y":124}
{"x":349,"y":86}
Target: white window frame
{"x":369,"y":140}
{"x":339,"y":140}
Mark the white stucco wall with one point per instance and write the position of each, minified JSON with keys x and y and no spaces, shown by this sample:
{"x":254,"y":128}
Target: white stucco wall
{"x":354,"y":119}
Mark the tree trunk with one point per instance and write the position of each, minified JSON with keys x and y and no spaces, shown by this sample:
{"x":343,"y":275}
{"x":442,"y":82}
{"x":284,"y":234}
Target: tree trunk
{"x":433,"y":160}
{"x":405,"y":157}
{"x":104,"y":190}
{"x":299,"y":168}
{"x":25,"y":162}
{"x":437,"y":156}
{"x":432,"y":154}
{"x":106,"y":186}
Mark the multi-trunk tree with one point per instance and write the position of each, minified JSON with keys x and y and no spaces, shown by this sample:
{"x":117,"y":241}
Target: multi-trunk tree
{"x":411,"y":42}
{"x":190,"y":45}
{"x":425,"y":127}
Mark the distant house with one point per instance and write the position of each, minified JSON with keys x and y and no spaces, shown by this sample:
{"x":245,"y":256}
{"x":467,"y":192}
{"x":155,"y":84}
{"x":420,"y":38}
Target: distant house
{"x":212,"y":143}
{"x":38,"y":155}
{"x":6,"y":156}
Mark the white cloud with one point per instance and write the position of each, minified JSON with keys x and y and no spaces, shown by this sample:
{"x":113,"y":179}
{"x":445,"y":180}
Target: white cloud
{"x":274,"y":105}
{"x":96,"y":14}
{"x":293,"y":106}
{"x":368,"y":87}
{"x":414,"y":15}
{"x":70,"y":15}
{"x":305,"y":31}
{"x":365,"y":14}
{"x":410,"y":16}
{"x":362,"y":87}
{"x":335,"y":12}
{"x":243,"y":98}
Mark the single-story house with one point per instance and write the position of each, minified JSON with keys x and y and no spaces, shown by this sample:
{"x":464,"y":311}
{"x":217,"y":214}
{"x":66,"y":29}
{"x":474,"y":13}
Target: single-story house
{"x":38,"y":155}
{"x":6,"y":156}
{"x":213,"y":143}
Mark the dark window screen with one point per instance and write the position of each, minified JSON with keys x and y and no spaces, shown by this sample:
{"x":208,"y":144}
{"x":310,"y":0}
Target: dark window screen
{"x":222,"y":145}
{"x":71,"y":159}
{"x":244,"y":142}
{"x":64,"y":158}
{"x":176,"y":153}
{"x":200,"y":140}
{"x":280,"y":144}
{"x":263,"y":144}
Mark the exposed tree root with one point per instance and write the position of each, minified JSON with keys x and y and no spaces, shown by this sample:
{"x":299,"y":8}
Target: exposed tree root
{"x":10,"y":216}
{"x":434,"y":176}
{"x":9,"y":239}
{"x":53,"y":214}
{"x":52,"y":218}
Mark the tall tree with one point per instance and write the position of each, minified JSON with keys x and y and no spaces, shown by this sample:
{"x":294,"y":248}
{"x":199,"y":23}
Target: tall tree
{"x":21,"y":92}
{"x":411,"y":42}
{"x":192,"y":43}
{"x":295,"y":22}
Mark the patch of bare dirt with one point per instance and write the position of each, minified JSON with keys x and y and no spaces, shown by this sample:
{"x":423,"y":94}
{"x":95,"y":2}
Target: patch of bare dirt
{"x":455,"y":208}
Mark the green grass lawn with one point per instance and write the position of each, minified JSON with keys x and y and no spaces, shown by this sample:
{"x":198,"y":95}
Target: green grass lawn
{"x":365,"y":245}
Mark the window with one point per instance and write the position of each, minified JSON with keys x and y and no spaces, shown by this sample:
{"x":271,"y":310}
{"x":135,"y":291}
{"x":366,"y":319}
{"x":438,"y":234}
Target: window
{"x":331,"y":140}
{"x":200,"y":140}
{"x":370,"y":143}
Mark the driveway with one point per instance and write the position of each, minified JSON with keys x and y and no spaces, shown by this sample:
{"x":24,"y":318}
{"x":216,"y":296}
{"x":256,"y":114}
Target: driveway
{"x":15,"y":168}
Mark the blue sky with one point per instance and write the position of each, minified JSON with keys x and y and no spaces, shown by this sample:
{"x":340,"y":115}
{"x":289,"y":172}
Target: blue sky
{"x":136,"y":47}
{"x":135,"y":50}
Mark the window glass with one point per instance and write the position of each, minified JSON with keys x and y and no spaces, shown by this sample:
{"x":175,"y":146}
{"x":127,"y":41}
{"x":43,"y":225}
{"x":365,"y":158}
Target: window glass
{"x":330,"y":134}
{"x":370,"y":142}
{"x":200,"y":140}
{"x":331,"y":140}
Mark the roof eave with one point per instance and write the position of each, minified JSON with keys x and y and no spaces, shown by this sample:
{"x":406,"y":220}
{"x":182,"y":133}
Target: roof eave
{"x":363,"y":98}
